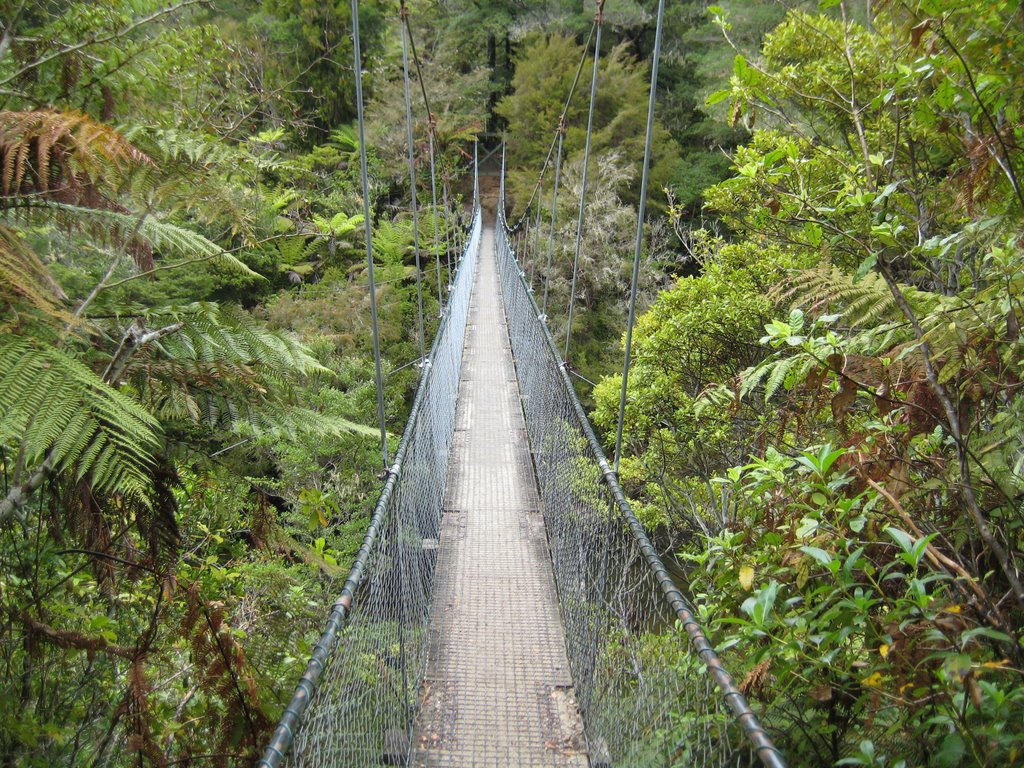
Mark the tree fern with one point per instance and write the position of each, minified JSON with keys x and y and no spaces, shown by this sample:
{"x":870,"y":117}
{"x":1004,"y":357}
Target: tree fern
{"x":338,"y":225}
{"x":225,"y":370}
{"x":55,"y":409}
{"x":180,"y":146}
{"x":68,"y":168}
{"x":214,"y":332}
{"x":392,"y":240}
{"x":293,"y":421}
{"x":345,"y":138}
{"x":206,"y":178}
{"x":292,"y":251}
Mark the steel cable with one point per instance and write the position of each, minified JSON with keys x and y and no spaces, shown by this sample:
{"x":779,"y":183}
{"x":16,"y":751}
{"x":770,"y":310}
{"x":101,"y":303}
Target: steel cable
{"x":554,"y":219}
{"x":420,"y":331}
{"x":560,"y":130}
{"x":431,"y":135}
{"x":638,"y":245}
{"x":364,"y":178}
{"x":599,"y":21}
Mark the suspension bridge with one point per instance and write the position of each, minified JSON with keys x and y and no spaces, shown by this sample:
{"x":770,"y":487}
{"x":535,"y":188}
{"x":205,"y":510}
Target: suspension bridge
{"x":507,"y":608}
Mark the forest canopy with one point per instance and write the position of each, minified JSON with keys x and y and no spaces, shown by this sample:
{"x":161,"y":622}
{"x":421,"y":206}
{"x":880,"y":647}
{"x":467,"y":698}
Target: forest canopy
{"x":823,"y":418}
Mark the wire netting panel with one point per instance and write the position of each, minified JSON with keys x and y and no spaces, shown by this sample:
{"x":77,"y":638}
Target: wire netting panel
{"x":646,"y":695}
{"x":362,"y":710}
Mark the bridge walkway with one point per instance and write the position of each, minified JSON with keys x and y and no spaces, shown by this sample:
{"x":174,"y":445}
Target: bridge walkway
{"x":497,"y":690}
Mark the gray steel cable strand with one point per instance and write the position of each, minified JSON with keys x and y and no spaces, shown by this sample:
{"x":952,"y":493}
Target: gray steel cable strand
{"x":535,"y":247}
{"x":431,"y":131}
{"x":364,"y":178}
{"x":421,"y":331}
{"x":448,"y":229}
{"x":559,"y":130}
{"x":554,"y":218}
{"x":599,"y":21}
{"x":641,"y":213}
{"x":433,"y":208}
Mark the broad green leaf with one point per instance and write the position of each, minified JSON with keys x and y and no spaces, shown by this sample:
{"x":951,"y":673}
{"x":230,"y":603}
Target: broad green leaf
{"x":818,"y":554}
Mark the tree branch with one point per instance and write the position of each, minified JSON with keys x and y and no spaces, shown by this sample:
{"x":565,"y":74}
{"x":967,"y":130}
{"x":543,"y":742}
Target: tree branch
{"x":135,"y":336}
{"x":98,"y":40}
{"x":8,"y":35}
{"x":1006,"y":562}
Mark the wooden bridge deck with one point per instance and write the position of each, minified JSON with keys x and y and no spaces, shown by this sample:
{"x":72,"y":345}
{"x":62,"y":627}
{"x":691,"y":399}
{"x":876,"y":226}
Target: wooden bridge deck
{"x":498,"y":690}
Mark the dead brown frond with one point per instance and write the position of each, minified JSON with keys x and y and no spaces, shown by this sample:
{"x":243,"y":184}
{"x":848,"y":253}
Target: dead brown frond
{"x":977,"y":180}
{"x":61,"y":154}
{"x":90,"y":526}
{"x":141,"y":739}
{"x":225,"y":672}
{"x":68,"y":158}
{"x":157,"y":521}
{"x":755,"y":681}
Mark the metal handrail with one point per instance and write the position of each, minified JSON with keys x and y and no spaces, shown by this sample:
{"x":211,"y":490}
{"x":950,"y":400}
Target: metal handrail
{"x":762,"y":742}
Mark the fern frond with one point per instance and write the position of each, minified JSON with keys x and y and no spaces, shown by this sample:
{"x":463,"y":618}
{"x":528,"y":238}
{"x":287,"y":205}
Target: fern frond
{"x":861,"y":302}
{"x":50,"y":152}
{"x":292,"y":422}
{"x":345,"y":138}
{"x":292,"y":251}
{"x":221,"y":358}
{"x":338,"y":225}
{"x":161,"y":236}
{"x":240,"y":335}
{"x":714,"y":397}
{"x":175,"y":146}
{"x":51,"y":405}
{"x":777,"y":373}
{"x":23,"y":276}
{"x":392,"y":240}
{"x":225,"y":370}
{"x":751,"y":377}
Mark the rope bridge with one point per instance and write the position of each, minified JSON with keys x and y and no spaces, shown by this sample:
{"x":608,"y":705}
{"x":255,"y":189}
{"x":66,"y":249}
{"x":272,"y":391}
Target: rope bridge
{"x":649,"y":687}
{"x":576,"y":617}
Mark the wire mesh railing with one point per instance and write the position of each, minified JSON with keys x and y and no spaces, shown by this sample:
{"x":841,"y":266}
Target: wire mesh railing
{"x":356,"y":702}
{"x":651,"y":689}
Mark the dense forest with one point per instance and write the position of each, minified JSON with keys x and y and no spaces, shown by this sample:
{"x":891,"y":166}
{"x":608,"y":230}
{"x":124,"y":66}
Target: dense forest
{"x":823,"y":423}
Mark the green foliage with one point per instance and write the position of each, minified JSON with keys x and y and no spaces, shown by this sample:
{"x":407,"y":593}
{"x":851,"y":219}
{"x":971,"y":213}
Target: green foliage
{"x":543,"y":75}
{"x":836,"y":447}
{"x":319,"y":36}
{"x":701,"y":332}
{"x":821,"y":584}
{"x":54,"y":408}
